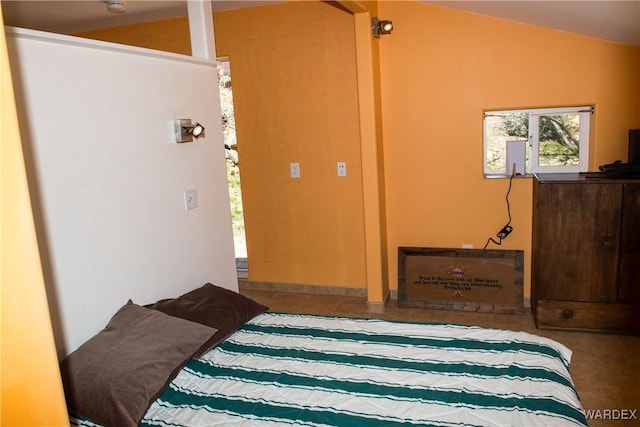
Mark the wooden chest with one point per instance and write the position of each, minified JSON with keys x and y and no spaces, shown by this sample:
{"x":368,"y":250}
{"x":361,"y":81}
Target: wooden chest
{"x":586,"y":253}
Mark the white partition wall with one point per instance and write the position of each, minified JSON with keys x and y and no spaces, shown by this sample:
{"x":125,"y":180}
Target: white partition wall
{"x":108,"y":181}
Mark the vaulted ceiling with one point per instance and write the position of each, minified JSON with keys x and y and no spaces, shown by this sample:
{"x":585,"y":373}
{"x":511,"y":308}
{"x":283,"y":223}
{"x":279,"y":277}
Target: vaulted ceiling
{"x":617,"y":21}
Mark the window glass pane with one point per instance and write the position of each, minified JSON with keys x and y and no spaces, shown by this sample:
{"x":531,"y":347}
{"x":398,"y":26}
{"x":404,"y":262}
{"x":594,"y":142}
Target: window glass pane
{"x":559,"y":140}
{"x":495,"y":143}
{"x":499,"y":129}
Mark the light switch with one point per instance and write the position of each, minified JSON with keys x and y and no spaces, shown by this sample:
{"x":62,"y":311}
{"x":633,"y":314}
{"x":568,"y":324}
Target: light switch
{"x":191,"y":199}
{"x":295,"y":170}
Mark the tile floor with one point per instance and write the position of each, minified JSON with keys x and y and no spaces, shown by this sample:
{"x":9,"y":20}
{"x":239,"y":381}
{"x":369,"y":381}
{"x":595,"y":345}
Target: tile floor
{"x":605,"y":367}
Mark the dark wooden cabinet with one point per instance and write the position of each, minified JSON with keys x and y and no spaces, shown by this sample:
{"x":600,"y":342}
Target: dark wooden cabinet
{"x":586,"y":253}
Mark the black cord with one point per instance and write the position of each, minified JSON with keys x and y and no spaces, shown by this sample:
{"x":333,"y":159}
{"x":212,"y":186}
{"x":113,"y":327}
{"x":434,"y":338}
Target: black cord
{"x":490,"y":239}
{"x":507,"y":198}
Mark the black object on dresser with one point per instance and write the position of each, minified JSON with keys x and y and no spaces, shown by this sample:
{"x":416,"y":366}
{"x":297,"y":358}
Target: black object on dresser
{"x":634,"y":145}
{"x":586,"y":253}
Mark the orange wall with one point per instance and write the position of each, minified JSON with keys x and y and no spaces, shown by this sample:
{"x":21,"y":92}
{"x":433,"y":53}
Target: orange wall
{"x":31,"y":389}
{"x":440,"y":70}
{"x":170,"y":35}
{"x":295,"y":95}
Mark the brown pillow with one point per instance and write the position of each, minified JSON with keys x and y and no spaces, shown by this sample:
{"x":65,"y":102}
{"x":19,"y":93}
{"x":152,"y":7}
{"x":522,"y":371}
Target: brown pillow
{"x":213,"y":306}
{"x":113,"y":378}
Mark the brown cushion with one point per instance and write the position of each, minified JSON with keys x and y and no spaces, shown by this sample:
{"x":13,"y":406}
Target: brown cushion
{"x":113,"y":378}
{"x":213,"y":306}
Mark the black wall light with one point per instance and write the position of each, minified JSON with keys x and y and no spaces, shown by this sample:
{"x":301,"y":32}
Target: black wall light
{"x":116,"y":6}
{"x":380,"y":27}
{"x":186,"y":132}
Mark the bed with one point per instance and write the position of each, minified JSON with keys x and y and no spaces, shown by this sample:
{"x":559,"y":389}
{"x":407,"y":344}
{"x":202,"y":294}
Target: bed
{"x":249,"y":366}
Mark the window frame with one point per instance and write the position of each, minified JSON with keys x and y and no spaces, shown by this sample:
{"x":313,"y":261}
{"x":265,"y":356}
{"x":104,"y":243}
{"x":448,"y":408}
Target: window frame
{"x":533,"y":143}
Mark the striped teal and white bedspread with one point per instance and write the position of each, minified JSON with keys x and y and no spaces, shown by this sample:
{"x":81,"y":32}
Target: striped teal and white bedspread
{"x":283,"y":369}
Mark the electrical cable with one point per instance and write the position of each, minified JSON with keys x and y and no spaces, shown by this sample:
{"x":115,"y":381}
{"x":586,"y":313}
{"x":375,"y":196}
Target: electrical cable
{"x":504,"y":232}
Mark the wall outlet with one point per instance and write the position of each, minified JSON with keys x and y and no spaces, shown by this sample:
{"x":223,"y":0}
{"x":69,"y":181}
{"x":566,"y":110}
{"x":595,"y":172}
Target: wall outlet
{"x":342,"y":168}
{"x":294,"y":168}
{"x":506,"y":230}
{"x":191,"y":199}
{"x":467,"y":246}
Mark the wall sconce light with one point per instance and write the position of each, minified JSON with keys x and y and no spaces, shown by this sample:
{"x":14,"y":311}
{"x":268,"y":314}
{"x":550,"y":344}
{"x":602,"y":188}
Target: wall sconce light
{"x":379,"y":27}
{"x":186,"y":132}
{"x":116,"y":6}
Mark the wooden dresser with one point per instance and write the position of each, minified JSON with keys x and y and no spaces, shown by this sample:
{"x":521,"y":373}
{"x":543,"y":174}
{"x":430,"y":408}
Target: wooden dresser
{"x":586,"y":253}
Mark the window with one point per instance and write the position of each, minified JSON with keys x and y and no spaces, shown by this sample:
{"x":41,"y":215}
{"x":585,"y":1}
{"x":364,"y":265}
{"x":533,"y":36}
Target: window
{"x":550,"y":139}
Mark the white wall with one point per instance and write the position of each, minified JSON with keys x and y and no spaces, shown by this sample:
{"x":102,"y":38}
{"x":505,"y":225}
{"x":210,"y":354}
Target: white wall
{"x":108,"y":181}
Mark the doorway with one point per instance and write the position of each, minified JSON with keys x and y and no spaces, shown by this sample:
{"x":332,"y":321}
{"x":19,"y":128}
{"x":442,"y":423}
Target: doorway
{"x":233,"y":167}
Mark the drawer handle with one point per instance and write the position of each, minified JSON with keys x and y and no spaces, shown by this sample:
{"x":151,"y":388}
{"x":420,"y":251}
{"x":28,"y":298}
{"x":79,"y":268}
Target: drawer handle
{"x":567,"y":313}
{"x":607,"y":244}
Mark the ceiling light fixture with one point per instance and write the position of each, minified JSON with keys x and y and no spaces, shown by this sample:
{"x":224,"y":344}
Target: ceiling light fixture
{"x":116,"y":6}
{"x":380,"y":27}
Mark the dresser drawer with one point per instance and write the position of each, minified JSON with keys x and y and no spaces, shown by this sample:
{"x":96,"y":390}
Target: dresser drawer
{"x":587,"y":316}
